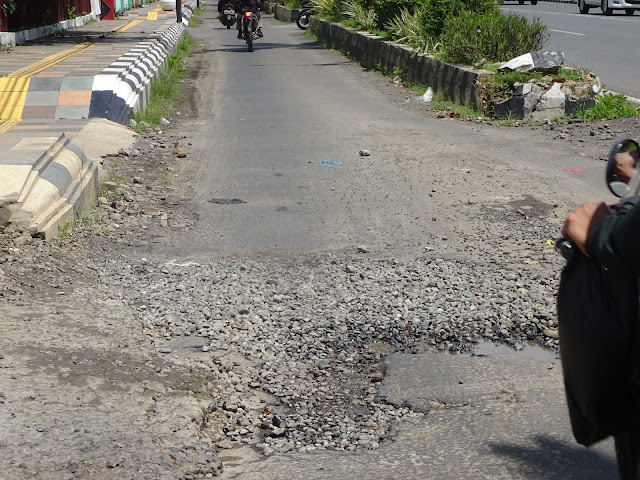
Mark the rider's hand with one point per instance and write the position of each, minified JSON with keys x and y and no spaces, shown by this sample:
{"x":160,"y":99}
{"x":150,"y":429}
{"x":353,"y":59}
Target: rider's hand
{"x":625,"y":165}
{"x":579,"y":222}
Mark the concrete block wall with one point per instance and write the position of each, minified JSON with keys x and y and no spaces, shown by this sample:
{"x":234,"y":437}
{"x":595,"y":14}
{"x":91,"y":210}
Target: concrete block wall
{"x":459,"y":83}
{"x":285,"y":14}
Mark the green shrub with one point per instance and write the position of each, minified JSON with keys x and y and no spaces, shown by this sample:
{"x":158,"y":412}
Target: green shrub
{"x":386,"y":10}
{"x":610,"y":106}
{"x":435,"y":13}
{"x":292,"y":4}
{"x":493,"y":36}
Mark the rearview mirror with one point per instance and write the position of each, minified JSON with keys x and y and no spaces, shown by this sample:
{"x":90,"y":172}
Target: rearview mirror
{"x":622,"y":175}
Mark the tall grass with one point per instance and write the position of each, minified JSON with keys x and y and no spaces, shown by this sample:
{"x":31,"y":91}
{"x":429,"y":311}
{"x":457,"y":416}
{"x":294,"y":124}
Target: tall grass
{"x":165,"y":89}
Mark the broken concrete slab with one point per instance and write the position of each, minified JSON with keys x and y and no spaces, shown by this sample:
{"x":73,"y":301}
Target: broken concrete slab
{"x":551,"y":104}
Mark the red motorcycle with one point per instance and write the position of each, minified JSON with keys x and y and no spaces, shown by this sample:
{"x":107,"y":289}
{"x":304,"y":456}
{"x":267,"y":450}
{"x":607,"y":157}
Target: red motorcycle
{"x":250,"y":28}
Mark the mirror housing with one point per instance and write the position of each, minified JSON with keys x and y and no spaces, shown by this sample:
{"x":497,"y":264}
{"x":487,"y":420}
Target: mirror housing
{"x":622,"y":174}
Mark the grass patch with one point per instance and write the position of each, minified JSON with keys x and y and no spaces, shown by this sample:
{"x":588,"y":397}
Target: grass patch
{"x":194,"y":20}
{"x":440,"y":102}
{"x":165,"y":90}
{"x":90,"y":221}
{"x":504,"y":81}
{"x":353,"y":23}
{"x":609,"y":106}
{"x":113,"y":175}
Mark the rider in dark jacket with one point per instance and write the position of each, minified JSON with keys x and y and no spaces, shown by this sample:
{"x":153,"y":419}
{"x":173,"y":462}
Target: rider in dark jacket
{"x":245,"y":6}
{"x":614,"y":242}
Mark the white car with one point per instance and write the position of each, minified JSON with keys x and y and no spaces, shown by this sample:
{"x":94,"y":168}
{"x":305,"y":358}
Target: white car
{"x":608,"y":6}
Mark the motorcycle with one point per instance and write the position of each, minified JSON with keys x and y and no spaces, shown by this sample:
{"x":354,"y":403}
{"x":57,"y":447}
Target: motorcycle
{"x":306,"y":12}
{"x":228,"y":15}
{"x":250,"y":28}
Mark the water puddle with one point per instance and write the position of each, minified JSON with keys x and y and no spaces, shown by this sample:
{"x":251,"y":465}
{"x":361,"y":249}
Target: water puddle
{"x":329,"y":163}
{"x":534,"y":352}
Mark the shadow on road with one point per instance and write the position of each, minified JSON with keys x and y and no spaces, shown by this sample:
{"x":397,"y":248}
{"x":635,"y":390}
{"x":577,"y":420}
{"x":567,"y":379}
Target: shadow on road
{"x":261,"y":45}
{"x":550,"y":459}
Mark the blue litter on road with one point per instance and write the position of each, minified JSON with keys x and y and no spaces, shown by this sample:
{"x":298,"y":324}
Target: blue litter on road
{"x":329,"y":163}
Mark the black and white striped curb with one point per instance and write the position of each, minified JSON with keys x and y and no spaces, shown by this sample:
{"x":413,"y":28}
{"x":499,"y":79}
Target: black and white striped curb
{"x":124,"y":86}
{"x":44,"y":182}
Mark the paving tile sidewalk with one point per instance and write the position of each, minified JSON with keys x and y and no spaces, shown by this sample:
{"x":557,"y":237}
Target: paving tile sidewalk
{"x":56,"y":88}
{"x":46,"y":85}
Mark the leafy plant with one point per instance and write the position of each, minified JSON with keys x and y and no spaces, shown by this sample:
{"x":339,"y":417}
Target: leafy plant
{"x":386,"y":10}
{"x":9,"y":6}
{"x":493,"y":36}
{"x":575,"y":74}
{"x":408,"y":28}
{"x":365,"y":18}
{"x":329,"y":9}
{"x":71,"y":12}
{"x":609,"y":106}
{"x":293,"y":4}
{"x":505,"y":81}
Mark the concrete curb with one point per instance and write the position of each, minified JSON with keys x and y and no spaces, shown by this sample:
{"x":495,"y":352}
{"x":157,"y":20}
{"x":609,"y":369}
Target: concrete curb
{"x":23,"y":162}
{"x":19,"y":38}
{"x":48,"y":180}
{"x":47,"y":191}
{"x":124,"y":86}
{"x":460,"y":83}
{"x":284,"y":14}
{"x":67,"y":186}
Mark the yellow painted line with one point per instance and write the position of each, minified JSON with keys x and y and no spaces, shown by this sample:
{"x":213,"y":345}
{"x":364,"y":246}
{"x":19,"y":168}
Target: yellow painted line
{"x":6,"y":125}
{"x":13,"y":93}
{"x":127,"y":26}
{"x":152,"y":15}
{"x":50,"y":61}
{"x":14,"y":86}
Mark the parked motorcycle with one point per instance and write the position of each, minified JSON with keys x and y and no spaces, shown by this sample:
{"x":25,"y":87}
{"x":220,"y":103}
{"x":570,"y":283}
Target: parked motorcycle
{"x":306,"y":12}
{"x":228,"y":15}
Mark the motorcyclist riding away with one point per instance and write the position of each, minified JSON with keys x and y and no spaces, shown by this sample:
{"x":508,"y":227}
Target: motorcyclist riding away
{"x":243,"y":6}
{"x":222,"y":4}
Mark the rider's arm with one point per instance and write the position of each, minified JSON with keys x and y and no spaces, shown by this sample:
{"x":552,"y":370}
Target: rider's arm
{"x":615,"y":242}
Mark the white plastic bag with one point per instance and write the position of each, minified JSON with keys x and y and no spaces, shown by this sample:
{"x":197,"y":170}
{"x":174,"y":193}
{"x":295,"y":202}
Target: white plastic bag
{"x":428,"y":95}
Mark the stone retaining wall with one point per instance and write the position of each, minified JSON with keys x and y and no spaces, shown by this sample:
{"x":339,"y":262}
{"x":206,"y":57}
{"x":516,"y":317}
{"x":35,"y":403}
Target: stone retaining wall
{"x":459,"y":83}
{"x":284,"y":14}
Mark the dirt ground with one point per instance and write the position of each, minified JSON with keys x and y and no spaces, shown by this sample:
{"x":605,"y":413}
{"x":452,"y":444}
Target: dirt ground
{"x":85,"y":390}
